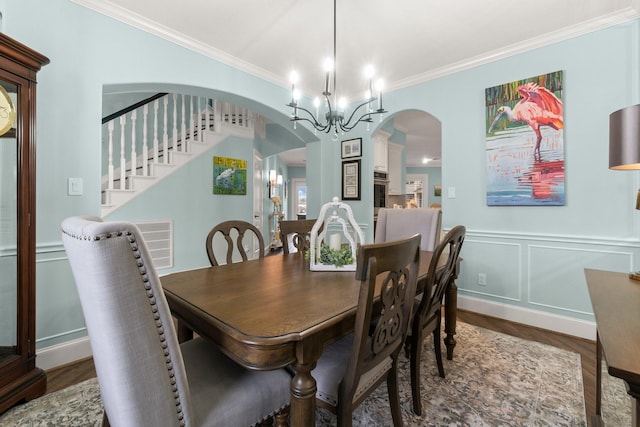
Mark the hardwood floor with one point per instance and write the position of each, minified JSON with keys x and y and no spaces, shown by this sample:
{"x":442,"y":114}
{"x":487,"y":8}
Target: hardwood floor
{"x":65,"y":376}
{"x":68,"y":375}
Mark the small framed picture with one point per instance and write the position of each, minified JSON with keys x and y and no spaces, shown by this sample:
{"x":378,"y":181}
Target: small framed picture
{"x":351,"y":180}
{"x":352,"y":148}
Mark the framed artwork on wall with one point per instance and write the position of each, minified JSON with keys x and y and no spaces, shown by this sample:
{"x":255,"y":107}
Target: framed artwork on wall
{"x":229,"y":176}
{"x":351,"y":180}
{"x":352,"y":148}
{"x":525,"y":142}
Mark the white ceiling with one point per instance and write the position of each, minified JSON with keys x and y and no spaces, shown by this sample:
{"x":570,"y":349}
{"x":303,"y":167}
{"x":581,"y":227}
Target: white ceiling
{"x":408,"y":41}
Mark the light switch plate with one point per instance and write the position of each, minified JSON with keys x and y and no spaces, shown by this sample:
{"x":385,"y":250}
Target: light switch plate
{"x":74,"y":186}
{"x":452,"y":192}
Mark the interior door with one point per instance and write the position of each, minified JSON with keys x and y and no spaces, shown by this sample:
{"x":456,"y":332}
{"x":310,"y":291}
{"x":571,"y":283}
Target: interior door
{"x":258,"y":199}
{"x":299,"y":205}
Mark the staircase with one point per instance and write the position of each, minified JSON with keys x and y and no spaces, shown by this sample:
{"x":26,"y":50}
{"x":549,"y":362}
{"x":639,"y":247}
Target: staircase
{"x":156,"y":137}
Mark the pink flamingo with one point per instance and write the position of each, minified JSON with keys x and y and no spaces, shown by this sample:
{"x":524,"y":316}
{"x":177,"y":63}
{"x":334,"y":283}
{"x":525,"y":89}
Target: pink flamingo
{"x":538,"y":107}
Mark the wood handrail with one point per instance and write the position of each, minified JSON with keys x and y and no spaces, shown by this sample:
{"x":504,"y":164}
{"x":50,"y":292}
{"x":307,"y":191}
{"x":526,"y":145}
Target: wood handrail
{"x":132,"y":107}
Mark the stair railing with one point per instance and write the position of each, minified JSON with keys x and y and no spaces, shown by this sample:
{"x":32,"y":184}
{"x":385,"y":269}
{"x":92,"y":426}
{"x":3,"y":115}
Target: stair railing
{"x":146,"y":133}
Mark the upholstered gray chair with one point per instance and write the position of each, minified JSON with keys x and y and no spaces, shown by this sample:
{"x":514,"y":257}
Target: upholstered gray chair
{"x":427,"y":312}
{"x":146,"y":378}
{"x":350,"y":369}
{"x":395,"y":224}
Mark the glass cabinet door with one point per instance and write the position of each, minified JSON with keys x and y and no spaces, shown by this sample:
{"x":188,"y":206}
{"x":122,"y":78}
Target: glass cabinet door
{"x":20,"y":379}
{"x":8,"y":221}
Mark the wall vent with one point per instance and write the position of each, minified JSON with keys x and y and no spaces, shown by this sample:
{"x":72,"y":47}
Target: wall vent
{"x":159,"y":238}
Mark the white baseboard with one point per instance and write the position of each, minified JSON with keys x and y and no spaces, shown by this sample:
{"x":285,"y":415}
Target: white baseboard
{"x":539,"y":319}
{"x":62,"y":354}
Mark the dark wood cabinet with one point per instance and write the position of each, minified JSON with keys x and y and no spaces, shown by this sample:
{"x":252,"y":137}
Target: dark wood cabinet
{"x":20,"y":379}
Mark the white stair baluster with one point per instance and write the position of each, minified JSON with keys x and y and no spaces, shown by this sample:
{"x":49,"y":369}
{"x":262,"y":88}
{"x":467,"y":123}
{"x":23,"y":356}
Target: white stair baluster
{"x":165,"y":137}
{"x":110,"y":166}
{"x":224,"y":113}
{"x":183,"y":127}
{"x":174,"y":133}
{"x":206,"y":114}
{"x":134,"y":155}
{"x":123,"y":160}
{"x":145,"y":146}
{"x":156,"y":105}
{"x":192,"y":122}
{"x":200,"y":119}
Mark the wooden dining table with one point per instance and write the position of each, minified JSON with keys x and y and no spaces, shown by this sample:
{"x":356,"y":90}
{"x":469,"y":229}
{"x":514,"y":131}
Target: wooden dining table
{"x":273,"y":312}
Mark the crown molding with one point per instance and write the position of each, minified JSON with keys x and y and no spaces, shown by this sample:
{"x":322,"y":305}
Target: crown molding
{"x":566,"y":33}
{"x":140,"y":22}
{"x":118,"y":13}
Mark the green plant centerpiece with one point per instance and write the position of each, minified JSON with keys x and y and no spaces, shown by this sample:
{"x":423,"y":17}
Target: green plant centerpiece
{"x":334,"y":239}
{"x":330,"y":256}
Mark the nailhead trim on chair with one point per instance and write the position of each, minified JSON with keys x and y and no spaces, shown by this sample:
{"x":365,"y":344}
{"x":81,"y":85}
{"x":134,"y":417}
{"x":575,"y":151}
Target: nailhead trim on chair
{"x":152,"y":301}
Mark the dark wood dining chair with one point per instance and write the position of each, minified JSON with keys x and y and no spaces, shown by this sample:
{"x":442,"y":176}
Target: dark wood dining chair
{"x":300,"y":230}
{"x":427,"y":317}
{"x":146,"y":377}
{"x":234,"y":234}
{"x":351,"y":368}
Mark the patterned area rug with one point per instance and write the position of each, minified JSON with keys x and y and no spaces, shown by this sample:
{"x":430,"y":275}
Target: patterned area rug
{"x":493,"y":380}
{"x":616,"y":403}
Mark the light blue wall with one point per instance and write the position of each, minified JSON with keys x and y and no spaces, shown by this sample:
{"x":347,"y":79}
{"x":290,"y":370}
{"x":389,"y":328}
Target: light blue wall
{"x":297,"y":172}
{"x":533,"y":256}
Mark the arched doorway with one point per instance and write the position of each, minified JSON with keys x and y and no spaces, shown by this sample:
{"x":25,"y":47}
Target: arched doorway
{"x":418,"y":136}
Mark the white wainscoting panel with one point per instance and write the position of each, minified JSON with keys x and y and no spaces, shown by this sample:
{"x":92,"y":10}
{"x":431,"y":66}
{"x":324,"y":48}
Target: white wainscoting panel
{"x":500,"y":262}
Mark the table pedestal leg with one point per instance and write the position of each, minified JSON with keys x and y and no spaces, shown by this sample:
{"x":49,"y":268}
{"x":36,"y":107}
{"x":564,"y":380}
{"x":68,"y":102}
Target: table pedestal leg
{"x":184,"y":333}
{"x":596,"y":420}
{"x":634,"y":392}
{"x":303,"y":396}
{"x":450,"y":314}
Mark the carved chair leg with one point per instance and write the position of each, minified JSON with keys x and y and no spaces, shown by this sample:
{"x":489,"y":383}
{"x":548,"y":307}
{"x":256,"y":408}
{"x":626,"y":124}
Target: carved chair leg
{"x":344,"y":413}
{"x":414,"y":363}
{"x":437,"y":344}
{"x":282,"y":417}
{"x":394,"y":395}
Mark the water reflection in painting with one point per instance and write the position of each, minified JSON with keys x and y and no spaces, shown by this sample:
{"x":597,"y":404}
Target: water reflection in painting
{"x":524,"y":143}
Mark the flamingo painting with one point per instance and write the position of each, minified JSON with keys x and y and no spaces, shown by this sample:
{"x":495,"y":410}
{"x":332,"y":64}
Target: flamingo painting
{"x":525,"y":159}
{"x":538,"y":107}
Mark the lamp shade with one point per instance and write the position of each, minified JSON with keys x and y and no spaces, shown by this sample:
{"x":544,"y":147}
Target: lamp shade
{"x":624,"y":138}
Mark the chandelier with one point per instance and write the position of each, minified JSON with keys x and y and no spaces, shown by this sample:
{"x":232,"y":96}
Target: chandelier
{"x":334,"y":113}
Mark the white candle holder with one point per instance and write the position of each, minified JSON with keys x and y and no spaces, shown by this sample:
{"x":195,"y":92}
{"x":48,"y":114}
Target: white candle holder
{"x":334,"y":239}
